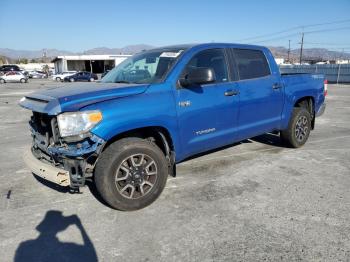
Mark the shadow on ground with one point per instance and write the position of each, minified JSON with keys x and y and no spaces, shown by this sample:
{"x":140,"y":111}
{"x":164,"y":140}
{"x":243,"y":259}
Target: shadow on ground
{"x":47,"y":247}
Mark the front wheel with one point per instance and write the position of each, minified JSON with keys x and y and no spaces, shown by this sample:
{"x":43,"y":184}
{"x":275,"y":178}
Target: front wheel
{"x":131,"y":173}
{"x":2,"y":81}
{"x":299,"y":128}
{"x":92,"y":79}
{"x":71,"y":79}
{"x":58,"y":79}
{"x":22,"y":80}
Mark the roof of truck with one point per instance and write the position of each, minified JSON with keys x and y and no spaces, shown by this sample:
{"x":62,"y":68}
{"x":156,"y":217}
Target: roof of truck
{"x":214,"y":45}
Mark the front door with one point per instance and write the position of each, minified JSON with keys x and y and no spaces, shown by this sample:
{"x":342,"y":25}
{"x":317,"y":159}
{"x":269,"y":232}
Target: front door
{"x":207,"y":113}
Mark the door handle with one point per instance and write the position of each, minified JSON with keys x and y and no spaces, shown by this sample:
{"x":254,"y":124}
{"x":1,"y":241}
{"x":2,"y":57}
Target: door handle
{"x":231,"y":92}
{"x":276,"y":86}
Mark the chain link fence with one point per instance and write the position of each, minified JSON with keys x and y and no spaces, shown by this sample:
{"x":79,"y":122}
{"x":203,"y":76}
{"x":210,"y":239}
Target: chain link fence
{"x":337,"y":73}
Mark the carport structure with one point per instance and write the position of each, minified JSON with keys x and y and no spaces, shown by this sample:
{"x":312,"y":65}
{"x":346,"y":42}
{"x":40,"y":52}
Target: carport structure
{"x":91,"y":63}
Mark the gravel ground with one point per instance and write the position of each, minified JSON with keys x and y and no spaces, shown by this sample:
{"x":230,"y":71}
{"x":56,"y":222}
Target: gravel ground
{"x":253,"y":201}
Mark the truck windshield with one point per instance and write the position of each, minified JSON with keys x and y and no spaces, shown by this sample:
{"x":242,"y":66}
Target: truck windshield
{"x":144,"y":68}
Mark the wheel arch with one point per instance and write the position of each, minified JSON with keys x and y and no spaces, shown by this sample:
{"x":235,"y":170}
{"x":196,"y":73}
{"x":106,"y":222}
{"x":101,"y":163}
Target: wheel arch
{"x":158,"y":135}
{"x":308,"y":102}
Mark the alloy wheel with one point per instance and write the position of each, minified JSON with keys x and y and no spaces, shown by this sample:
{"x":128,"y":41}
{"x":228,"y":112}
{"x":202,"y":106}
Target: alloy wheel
{"x":136,"y":176}
{"x":301,"y":128}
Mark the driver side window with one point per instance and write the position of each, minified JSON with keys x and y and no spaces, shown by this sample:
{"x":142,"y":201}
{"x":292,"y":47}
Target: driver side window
{"x":212,"y":58}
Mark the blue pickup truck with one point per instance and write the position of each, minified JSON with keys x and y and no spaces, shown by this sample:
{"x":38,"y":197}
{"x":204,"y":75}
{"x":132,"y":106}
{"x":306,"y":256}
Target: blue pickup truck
{"x":159,"y":107}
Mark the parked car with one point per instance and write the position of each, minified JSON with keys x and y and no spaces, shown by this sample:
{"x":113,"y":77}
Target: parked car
{"x":60,"y":76}
{"x":81,"y":76}
{"x":37,"y":74}
{"x":128,"y":132}
{"x":7,"y":68}
{"x":24,"y":72}
{"x":13,"y":76}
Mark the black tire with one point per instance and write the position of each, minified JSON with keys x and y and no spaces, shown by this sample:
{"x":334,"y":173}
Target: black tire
{"x":115,"y":159}
{"x":299,"y":128}
{"x":71,"y":79}
{"x":22,"y":80}
{"x":92,"y":79}
{"x":2,"y":81}
{"x":58,"y":79}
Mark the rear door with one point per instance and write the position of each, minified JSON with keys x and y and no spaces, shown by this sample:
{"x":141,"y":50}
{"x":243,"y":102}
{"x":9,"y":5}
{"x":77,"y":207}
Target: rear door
{"x":207,"y":113}
{"x":80,"y":76}
{"x":87,"y":76}
{"x":261,"y":94}
{"x":11,"y":76}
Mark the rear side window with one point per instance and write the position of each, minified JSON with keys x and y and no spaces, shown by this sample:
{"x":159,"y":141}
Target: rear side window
{"x":251,"y":63}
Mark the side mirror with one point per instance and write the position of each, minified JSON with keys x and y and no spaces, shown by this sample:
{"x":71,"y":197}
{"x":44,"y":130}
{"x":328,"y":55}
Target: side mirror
{"x":199,"y":76}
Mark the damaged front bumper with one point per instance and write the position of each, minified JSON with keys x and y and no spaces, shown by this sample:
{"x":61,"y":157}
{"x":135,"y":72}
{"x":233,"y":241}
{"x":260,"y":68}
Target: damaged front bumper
{"x":68,"y":163}
{"x":56,"y":175}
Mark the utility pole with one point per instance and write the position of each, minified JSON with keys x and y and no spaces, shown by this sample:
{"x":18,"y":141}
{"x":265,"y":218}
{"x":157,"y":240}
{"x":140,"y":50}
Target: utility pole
{"x":301,"y":47}
{"x":288,"y":51}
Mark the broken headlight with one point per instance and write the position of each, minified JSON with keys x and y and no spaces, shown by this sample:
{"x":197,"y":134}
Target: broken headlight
{"x":76,"y":123}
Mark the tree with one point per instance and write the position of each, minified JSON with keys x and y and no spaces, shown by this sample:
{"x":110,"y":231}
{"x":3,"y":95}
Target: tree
{"x":46,"y":69}
{"x":22,"y":61}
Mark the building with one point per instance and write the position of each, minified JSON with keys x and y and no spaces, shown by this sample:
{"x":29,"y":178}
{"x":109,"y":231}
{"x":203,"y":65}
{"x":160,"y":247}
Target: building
{"x":342,"y":61}
{"x":279,"y":61}
{"x":35,"y":66}
{"x":91,"y":63}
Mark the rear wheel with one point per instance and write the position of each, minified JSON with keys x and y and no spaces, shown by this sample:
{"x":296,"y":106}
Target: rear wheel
{"x":299,"y":128}
{"x":22,"y":80}
{"x":131,"y":173}
{"x":92,"y":79}
{"x":71,"y":79}
{"x":58,"y":79}
{"x":2,"y":81}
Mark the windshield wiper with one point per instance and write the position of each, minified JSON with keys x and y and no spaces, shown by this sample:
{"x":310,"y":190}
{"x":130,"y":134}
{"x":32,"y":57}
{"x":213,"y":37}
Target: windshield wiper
{"x":123,"y":82}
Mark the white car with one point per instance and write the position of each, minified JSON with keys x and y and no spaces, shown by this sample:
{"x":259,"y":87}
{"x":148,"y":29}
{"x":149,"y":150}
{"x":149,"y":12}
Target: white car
{"x":13,"y":76}
{"x":61,"y":76}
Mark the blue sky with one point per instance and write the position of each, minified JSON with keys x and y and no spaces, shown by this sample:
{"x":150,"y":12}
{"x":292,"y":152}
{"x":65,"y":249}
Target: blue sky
{"x":81,"y":25}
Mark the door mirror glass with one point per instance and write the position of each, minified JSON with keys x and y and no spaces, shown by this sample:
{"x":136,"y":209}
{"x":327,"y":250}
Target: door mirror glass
{"x":199,"y":76}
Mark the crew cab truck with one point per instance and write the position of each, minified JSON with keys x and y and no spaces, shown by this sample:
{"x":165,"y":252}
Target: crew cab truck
{"x":159,"y":107}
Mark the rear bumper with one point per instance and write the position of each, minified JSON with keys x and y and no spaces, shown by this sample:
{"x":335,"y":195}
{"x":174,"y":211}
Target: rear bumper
{"x":46,"y":171}
{"x":321,"y":110}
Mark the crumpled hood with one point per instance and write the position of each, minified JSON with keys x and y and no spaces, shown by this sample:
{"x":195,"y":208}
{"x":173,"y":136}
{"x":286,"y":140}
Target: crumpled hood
{"x":73,"y":97}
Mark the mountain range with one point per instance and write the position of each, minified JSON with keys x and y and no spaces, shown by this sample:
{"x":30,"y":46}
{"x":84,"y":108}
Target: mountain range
{"x":309,"y":53}
{"x":30,"y":54}
{"x":12,"y":54}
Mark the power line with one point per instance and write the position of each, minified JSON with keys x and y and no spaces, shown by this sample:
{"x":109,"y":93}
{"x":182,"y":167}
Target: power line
{"x":328,"y":23}
{"x":277,"y":38}
{"x":307,"y":32}
{"x":295,"y":28}
{"x":327,"y":30}
{"x":271,"y":34}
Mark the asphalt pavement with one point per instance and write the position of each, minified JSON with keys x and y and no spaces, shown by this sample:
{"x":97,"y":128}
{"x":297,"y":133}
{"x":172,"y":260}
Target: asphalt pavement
{"x":252,"y":201}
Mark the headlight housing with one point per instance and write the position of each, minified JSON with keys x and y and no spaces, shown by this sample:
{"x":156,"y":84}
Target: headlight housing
{"x":76,"y":123}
